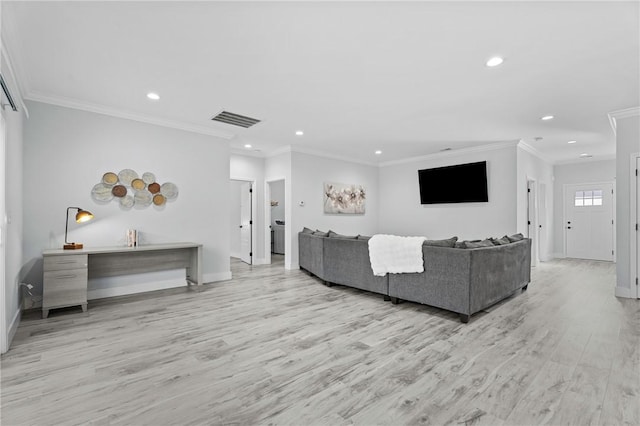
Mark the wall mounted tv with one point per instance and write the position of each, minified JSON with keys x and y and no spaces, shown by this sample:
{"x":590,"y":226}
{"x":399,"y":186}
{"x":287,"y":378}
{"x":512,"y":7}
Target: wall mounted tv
{"x":462,"y":183}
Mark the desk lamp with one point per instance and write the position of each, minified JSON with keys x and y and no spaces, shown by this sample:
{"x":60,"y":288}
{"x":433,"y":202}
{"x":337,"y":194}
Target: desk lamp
{"x":81,"y":216}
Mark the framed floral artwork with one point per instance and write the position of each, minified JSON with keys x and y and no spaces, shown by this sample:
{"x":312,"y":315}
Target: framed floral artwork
{"x":340,"y":198}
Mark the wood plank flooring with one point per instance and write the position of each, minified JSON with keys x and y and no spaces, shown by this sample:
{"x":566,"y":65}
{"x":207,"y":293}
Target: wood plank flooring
{"x":278,"y":347}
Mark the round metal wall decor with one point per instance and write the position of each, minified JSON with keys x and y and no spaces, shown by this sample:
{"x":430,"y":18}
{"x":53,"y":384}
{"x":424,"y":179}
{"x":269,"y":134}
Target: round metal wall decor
{"x":129,"y":189}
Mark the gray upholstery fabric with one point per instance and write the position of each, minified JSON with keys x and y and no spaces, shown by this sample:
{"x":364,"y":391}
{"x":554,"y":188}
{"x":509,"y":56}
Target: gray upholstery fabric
{"x":500,"y":241}
{"x":466,"y":281}
{"x":462,"y":281}
{"x":364,"y":237}
{"x":479,"y":244}
{"x":306,"y":230}
{"x":346,"y":262}
{"x":515,"y":237}
{"x":336,"y":235}
{"x":450,"y":242}
{"x":311,"y":253}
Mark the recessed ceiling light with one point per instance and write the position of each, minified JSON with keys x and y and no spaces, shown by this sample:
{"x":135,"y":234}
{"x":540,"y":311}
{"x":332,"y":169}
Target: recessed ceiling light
{"x":495,"y":61}
{"x":248,"y":145}
{"x":299,"y":133}
{"x":547,"y":117}
{"x":378,"y":152}
{"x":572,"y":141}
{"x":153,"y":96}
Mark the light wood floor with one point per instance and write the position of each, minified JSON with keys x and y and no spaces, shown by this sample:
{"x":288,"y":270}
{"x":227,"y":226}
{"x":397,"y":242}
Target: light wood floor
{"x":277,"y":347}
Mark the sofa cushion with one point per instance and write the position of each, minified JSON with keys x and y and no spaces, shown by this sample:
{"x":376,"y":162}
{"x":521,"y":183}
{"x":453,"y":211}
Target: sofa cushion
{"x":516,"y":237}
{"x":364,"y":237}
{"x":500,"y":241}
{"x":450,"y":242}
{"x":320,"y":233}
{"x":344,"y":237}
{"x":479,"y":244}
{"x":306,"y":230}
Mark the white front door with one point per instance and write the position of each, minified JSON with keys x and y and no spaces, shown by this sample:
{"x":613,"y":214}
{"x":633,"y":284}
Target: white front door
{"x":588,"y":221}
{"x":246,"y":223}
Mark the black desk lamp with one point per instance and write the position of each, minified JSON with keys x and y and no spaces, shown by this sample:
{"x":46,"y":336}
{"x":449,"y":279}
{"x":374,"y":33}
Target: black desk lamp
{"x":81,"y":216}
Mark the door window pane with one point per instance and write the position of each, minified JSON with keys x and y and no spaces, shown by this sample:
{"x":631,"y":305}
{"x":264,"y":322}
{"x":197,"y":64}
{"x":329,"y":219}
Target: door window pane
{"x":588,"y":198}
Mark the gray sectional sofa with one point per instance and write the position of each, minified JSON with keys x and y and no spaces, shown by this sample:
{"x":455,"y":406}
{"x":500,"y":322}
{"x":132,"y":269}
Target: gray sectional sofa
{"x":461,"y":280}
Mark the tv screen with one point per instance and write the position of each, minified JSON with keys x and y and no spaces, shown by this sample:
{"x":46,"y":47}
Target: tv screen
{"x":462,"y":183}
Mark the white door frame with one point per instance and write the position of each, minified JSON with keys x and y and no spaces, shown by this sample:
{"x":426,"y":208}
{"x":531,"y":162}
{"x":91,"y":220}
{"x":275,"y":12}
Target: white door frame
{"x":4,"y":336}
{"x":532,"y":220}
{"x":634,"y":219}
{"x":565,"y":199}
{"x":267,"y":218}
{"x":254,"y":207}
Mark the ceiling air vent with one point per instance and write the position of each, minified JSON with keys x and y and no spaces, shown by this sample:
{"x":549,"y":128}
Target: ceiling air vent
{"x":235,"y":119}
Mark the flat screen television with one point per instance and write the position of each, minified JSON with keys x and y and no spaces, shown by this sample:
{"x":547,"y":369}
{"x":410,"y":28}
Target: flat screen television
{"x":462,"y":183}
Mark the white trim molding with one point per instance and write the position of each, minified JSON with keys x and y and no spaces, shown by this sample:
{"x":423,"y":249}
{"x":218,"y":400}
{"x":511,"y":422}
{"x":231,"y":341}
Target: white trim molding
{"x":533,"y":151}
{"x":114,"y":112}
{"x":454,"y":152}
{"x":625,"y":292}
{"x":622,"y":113}
{"x":14,"y":83}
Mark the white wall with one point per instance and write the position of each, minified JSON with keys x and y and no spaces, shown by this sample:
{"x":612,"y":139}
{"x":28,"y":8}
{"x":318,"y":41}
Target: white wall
{"x":309,"y":173}
{"x":277,"y":194}
{"x":627,"y":143}
{"x":234,"y":217}
{"x":249,"y":168}
{"x":67,"y":151}
{"x":13,"y":226}
{"x":532,"y":167}
{"x":399,"y":197}
{"x":583,"y":172}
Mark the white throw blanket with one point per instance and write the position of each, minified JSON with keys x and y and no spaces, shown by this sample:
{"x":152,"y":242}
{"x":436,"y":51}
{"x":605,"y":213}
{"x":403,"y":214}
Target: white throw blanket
{"x":395,"y":254}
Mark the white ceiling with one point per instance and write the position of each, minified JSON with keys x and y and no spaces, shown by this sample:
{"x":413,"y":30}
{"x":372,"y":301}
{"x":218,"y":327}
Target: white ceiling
{"x":408,"y":78}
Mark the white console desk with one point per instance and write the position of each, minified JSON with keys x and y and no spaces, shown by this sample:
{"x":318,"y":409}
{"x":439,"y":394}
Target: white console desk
{"x":66,"y":272}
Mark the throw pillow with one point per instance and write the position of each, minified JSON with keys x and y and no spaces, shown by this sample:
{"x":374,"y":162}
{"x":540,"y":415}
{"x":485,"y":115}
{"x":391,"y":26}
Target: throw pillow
{"x":344,"y":237}
{"x":450,"y":242}
{"x":306,"y":230}
{"x":472,"y":244}
{"x":320,"y":233}
{"x":459,"y":244}
{"x":515,"y":237}
{"x":500,"y":241}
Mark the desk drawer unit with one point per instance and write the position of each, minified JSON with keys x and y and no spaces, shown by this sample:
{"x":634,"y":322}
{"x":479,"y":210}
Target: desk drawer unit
{"x":65,"y":282}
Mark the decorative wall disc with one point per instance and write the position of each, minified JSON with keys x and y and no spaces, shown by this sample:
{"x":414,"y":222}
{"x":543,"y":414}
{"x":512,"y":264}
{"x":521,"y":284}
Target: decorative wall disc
{"x":154,"y":188}
{"x":169,"y":190}
{"x":101,"y":192}
{"x":119,"y":191}
{"x":126,"y":176}
{"x":159,"y":199}
{"x":138,"y":184}
{"x":142,"y":198}
{"x":110,"y":178}
{"x":129,"y":190}
{"x":148,"y":177}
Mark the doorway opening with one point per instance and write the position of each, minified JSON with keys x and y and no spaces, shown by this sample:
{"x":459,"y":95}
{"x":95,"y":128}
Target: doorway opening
{"x":589,"y":230}
{"x":532,"y":220}
{"x":241,"y":220}
{"x":276,"y":207}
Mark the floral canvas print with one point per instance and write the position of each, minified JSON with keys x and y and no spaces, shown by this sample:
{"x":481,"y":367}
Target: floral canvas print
{"x":340,"y":198}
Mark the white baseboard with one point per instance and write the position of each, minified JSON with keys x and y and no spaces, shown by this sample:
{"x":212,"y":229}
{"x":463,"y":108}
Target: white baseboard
{"x":558,"y":255}
{"x":292,"y":266}
{"x":624,"y":292}
{"x":216,"y":276}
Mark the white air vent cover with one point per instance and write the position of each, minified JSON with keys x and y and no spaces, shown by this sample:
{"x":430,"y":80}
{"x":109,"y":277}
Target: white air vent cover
{"x":235,"y":119}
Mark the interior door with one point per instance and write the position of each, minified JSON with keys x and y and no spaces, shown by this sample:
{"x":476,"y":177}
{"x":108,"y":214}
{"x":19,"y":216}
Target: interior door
{"x":588,"y":223}
{"x":246,"y":223}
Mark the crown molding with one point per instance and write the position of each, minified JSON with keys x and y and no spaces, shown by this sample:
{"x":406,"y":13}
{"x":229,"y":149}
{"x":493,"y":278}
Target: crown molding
{"x":621,"y":113}
{"x":594,"y":159}
{"x":454,"y":152}
{"x":16,"y":83}
{"x":246,"y":153}
{"x":533,"y":151}
{"x":113,"y":112}
{"x":318,"y":153}
{"x":278,"y":151}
